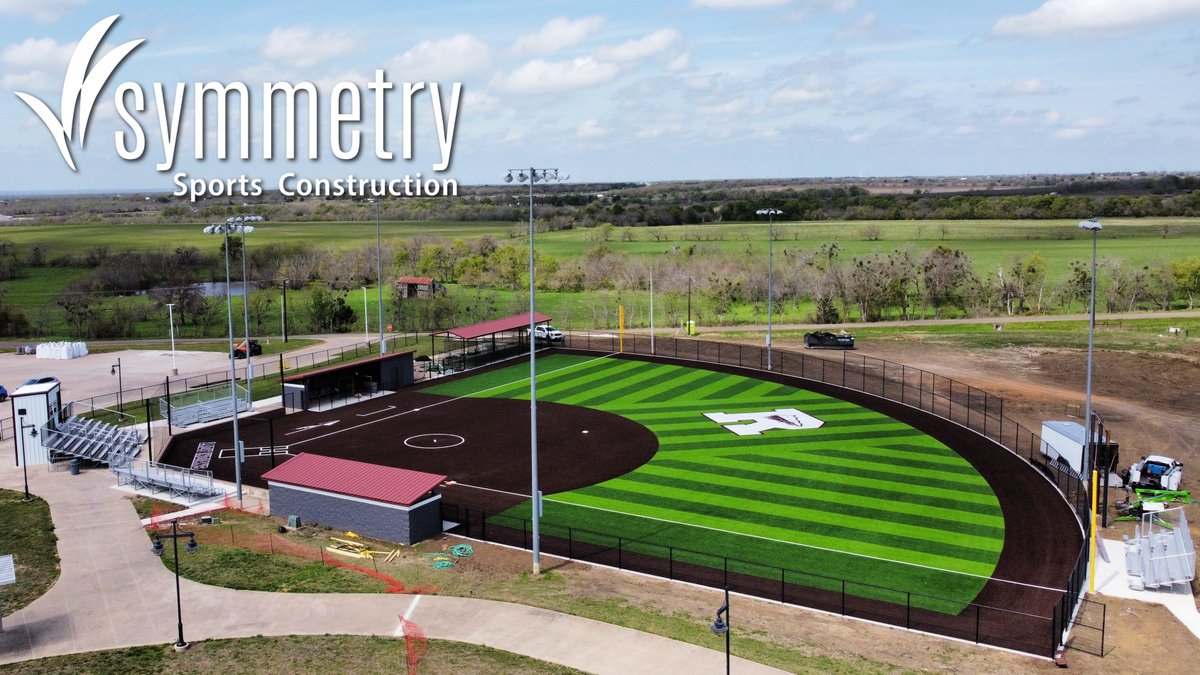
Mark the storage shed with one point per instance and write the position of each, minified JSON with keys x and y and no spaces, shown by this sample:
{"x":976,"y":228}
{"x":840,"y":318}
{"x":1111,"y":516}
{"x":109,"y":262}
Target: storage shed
{"x":383,"y":502}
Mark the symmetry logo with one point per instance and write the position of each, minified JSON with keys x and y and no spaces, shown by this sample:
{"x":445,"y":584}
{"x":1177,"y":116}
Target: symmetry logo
{"x":787,"y":419}
{"x":286,"y":111}
{"x":80,"y":87}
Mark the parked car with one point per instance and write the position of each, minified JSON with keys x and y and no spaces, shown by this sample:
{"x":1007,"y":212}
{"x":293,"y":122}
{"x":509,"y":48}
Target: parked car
{"x":3,"y":393}
{"x":823,"y":339}
{"x":239,"y":349}
{"x":40,"y":379}
{"x":547,"y":333}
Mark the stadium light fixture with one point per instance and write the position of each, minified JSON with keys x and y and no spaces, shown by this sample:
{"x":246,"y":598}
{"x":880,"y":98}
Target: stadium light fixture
{"x":223,"y":229}
{"x":238,"y":224}
{"x":1089,"y":437}
{"x":770,"y":213}
{"x":534,"y":175}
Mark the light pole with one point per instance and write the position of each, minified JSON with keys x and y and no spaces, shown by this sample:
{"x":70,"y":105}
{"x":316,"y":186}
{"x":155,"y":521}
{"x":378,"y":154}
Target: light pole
{"x":720,"y":626}
{"x":1093,"y":225}
{"x":379,"y":275}
{"x":157,"y":549}
{"x":366,"y":318}
{"x":239,"y":222}
{"x":218,"y":228}
{"x":171,"y":321}
{"x":115,"y":369}
{"x":534,"y":176}
{"x":24,"y":463}
{"x":283,"y":310}
{"x":770,"y":213}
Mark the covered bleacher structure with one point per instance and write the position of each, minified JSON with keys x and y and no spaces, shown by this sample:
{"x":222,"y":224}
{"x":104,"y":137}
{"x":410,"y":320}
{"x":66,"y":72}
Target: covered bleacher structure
{"x":479,"y":344}
{"x":346,"y":383}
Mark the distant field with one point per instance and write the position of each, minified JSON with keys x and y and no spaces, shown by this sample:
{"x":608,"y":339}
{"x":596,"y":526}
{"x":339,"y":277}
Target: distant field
{"x":1136,"y":242}
{"x":864,"y":497}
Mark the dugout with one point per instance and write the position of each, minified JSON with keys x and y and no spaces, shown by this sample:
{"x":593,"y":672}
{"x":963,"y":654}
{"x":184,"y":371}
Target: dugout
{"x":397,"y":505}
{"x":479,"y":344}
{"x":366,"y":377}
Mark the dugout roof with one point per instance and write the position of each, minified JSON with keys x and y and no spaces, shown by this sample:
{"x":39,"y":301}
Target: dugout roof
{"x":478,"y":330}
{"x":355,"y":479}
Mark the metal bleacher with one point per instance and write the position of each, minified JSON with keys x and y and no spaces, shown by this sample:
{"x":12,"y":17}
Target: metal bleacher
{"x":191,"y":484}
{"x":208,"y":406}
{"x":94,"y":440}
{"x":1162,"y":553}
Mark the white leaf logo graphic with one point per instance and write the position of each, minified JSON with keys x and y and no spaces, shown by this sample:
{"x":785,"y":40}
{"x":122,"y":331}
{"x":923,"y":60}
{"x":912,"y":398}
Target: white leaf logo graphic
{"x":80,"y":87}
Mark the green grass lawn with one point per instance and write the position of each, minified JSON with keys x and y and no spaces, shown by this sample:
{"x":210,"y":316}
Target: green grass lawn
{"x":27,"y":533}
{"x":863,"y":498}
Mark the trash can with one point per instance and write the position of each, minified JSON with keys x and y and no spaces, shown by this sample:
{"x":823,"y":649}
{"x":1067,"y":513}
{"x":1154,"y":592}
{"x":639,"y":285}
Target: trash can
{"x":75,"y":467}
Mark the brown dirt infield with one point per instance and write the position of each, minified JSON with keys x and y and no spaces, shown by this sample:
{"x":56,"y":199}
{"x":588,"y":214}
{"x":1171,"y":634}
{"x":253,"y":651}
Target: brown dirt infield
{"x":493,"y":452}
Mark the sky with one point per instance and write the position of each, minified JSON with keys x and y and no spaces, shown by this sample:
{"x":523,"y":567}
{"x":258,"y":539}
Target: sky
{"x":613,"y":91}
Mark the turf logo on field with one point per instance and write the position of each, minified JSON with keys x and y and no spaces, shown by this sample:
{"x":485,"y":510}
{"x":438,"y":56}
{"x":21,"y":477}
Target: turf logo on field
{"x":786,"y":419}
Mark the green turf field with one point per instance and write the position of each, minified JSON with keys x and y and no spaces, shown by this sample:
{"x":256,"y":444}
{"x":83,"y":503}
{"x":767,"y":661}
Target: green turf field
{"x":863,"y":498}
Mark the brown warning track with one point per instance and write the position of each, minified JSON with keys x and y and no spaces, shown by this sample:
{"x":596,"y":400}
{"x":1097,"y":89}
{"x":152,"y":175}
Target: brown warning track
{"x":1042,"y":539}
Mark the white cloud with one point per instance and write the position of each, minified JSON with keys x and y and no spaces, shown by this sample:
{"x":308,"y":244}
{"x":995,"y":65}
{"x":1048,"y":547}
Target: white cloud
{"x":558,"y":33}
{"x":303,"y":46}
{"x":35,"y":64}
{"x":1031,"y":87}
{"x":863,"y":28}
{"x":738,"y":4}
{"x":729,"y":108}
{"x":964,"y":130}
{"x":815,"y":88}
{"x":39,"y":10}
{"x":1056,"y":17}
{"x":441,"y":59}
{"x":636,"y":50}
{"x":681,"y":62}
{"x":541,"y":76}
{"x":591,"y":129}
{"x":1071,"y":134}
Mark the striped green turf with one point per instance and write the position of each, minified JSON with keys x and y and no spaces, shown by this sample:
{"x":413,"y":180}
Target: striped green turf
{"x":863,"y":498}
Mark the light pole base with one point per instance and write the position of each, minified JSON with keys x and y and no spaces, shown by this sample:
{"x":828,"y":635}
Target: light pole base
{"x":181,"y":646}
{"x":174,"y":371}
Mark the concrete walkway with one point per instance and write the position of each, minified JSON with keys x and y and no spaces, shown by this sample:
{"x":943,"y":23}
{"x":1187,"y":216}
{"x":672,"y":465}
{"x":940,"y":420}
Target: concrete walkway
{"x":114,"y":593}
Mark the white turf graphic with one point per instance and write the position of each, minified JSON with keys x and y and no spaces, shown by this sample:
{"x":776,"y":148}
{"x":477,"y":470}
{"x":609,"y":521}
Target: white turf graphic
{"x":785,"y":419}
{"x":265,"y":451}
{"x":311,"y":427}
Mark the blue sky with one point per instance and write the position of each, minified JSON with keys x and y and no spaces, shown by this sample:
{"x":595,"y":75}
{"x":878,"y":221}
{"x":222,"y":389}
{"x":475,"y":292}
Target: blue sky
{"x":680,"y":89}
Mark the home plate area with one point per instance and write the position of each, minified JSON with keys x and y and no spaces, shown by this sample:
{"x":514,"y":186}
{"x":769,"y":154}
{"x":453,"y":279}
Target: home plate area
{"x":248,"y":452}
{"x":473,"y":441}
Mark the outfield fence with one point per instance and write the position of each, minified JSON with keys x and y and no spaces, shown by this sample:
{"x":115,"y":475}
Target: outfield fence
{"x":964,"y":405}
{"x":974,"y":622}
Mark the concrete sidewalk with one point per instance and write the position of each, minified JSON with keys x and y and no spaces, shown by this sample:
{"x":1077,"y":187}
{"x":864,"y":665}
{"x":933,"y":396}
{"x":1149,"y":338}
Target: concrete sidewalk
{"x":114,"y":593}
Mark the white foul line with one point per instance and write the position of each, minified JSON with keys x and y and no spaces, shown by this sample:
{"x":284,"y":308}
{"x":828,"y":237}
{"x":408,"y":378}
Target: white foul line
{"x":383,"y":410}
{"x":811,"y":546}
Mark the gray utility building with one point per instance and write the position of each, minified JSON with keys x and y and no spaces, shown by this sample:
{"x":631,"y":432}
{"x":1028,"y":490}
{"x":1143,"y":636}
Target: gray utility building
{"x":396,"y":505}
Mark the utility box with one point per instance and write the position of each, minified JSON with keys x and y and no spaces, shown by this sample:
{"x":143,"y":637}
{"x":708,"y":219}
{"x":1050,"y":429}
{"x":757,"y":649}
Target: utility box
{"x":1063,"y":442}
{"x":34,"y":407}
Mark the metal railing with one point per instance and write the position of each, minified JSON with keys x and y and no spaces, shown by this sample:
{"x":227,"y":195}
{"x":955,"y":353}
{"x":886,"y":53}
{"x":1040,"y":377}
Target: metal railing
{"x":177,"y":481}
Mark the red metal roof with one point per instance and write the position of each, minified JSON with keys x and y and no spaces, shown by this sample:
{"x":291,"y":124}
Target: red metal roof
{"x":495,"y":326}
{"x":355,"y":479}
{"x":414,"y":280}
